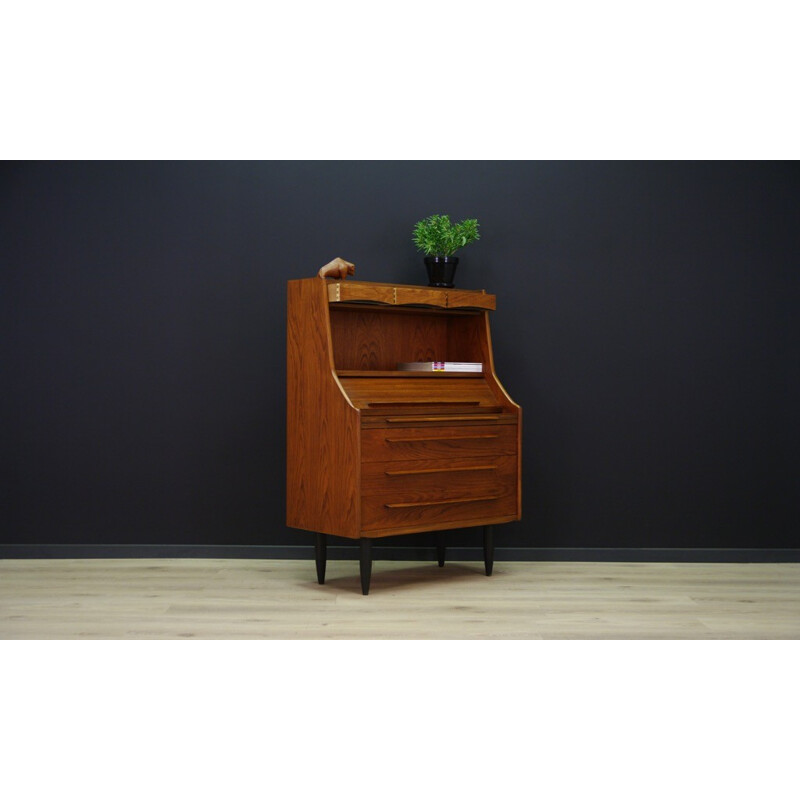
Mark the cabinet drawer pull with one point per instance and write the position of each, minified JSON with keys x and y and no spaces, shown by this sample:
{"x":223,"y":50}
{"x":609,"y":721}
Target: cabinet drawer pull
{"x":394,"y":440}
{"x":454,"y":418}
{"x":438,"y":469}
{"x":443,"y":502}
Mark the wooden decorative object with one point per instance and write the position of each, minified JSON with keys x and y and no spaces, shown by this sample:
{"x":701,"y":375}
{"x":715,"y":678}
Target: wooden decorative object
{"x":373,"y":451}
{"x":338,"y":269}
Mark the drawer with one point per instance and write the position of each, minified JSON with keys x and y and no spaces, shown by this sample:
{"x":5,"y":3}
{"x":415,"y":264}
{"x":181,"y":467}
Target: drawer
{"x":399,"y":295}
{"x":382,"y":513}
{"x":423,"y":480}
{"x":433,"y":443}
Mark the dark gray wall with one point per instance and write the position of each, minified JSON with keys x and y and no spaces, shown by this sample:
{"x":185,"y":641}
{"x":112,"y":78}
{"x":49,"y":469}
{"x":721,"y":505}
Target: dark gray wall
{"x":647,"y":323}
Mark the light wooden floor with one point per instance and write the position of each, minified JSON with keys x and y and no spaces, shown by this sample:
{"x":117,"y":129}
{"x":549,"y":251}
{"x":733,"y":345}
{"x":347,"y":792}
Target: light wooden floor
{"x":280,"y":599}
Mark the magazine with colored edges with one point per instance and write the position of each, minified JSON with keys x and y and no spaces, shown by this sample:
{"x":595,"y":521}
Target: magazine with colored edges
{"x":440,"y":366}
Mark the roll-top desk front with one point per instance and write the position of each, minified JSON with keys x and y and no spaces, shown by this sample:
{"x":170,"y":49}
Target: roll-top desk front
{"x":373,"y":451}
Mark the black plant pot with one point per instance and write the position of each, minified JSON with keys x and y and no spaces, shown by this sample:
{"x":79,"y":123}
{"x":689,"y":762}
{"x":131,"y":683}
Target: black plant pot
{"x":441,"y":270}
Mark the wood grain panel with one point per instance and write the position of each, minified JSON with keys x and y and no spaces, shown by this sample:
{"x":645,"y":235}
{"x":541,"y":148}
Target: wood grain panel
{"x":405,"y":295}
{"x":323,"y":429}
{"x":439,"y":479}
{"x":347,"y":291}
{"x":461,"y":298}
{"x":369,"y":339}
{"x":397,"y":528}
{"x":379,"y":513}
{"x":405,"y":444}
{"x":431,"y":416}
{"x":500,"y":392}
{"x":465,"y":337}
{"x":474,"y":392}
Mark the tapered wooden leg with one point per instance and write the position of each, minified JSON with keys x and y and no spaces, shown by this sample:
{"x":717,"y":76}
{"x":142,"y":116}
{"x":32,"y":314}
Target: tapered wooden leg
{"x":321,"y":552}
{"x":488,"y":549}
{"x":440,"y":548}
{"x":366,"y":564}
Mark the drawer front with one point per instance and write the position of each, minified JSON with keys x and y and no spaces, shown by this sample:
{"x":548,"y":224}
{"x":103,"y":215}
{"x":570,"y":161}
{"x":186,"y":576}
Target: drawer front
{"x":436,"y":442}
{"x":404,"y":295}
{"x":398,"y":295}
{"x":423,"y":480}
{"x":382,"y":513}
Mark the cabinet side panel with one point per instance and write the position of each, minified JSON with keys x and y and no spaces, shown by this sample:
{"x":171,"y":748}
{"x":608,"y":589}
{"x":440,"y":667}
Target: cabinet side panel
{"x":322,"y":428}
{"x":486,"y":345}
{"x":465,"y":338}
{"x":494,"y":382}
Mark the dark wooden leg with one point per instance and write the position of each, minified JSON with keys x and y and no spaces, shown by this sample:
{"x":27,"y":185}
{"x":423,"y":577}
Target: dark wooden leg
{"x":488,"y":549}
{"x":440,"y":548}
{"x":321,"y":552}
{"x":366,"y":564}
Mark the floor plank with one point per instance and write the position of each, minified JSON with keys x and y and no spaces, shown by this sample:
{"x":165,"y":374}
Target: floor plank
{"x":280,"y":599}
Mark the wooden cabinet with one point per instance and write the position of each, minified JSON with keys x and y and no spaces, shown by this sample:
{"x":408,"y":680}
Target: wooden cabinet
{"x":373,"y":451}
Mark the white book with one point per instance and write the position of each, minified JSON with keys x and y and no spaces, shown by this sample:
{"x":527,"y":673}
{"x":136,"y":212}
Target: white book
{"x":440,"y":366}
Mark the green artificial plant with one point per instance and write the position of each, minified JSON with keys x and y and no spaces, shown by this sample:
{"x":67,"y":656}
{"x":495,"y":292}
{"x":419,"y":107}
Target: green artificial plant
{"x":437,"y":236}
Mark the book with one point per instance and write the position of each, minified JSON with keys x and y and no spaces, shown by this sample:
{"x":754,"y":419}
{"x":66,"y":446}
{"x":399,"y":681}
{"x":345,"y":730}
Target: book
{"x":440,"y":366}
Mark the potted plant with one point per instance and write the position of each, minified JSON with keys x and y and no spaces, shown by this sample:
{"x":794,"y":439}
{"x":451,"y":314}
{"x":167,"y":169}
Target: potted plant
{"x":438,"y":238}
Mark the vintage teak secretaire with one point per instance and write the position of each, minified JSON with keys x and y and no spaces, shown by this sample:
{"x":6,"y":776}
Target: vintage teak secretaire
{"x":373,"y":450}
